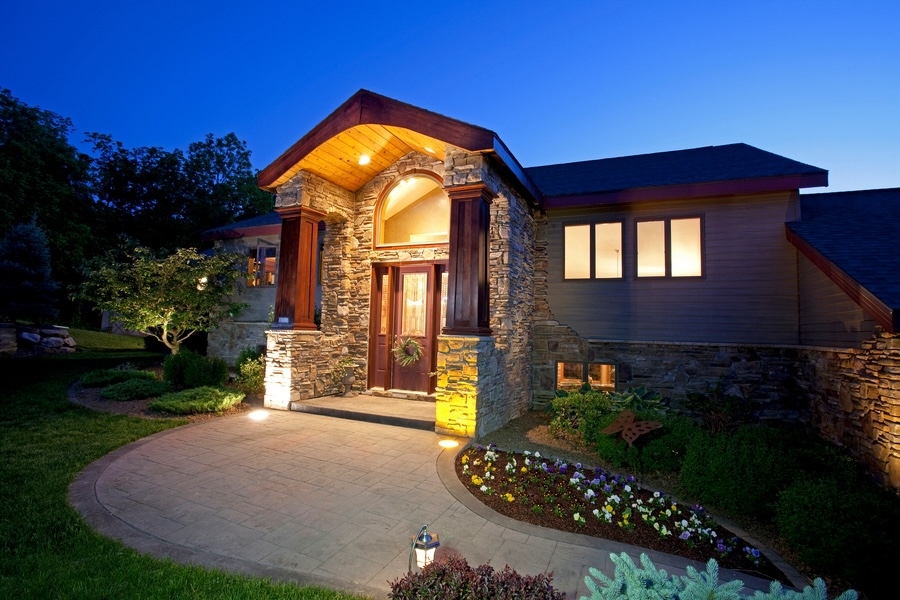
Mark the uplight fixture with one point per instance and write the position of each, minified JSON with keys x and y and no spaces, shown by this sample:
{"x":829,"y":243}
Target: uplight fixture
{"x":364,"y":159}
{"x":258,"y":415}
{"x":448,"y":443}
{"x":423,"y":545}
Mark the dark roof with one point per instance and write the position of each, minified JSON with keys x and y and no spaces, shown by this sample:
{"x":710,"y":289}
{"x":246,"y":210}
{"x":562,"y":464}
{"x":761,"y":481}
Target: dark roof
{"x":269,"y":221}
{"x":732,"y":162}
{"x":853,"y":235}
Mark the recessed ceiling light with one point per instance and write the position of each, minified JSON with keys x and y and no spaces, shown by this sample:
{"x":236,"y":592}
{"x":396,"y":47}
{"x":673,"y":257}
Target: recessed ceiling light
{"x":427,"y":149}
{"x":364,"y":159}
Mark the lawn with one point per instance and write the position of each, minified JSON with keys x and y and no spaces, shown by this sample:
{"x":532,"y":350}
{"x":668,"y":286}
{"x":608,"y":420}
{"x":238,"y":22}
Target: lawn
{"x":104,"y":342}
{"x":46,"y":550}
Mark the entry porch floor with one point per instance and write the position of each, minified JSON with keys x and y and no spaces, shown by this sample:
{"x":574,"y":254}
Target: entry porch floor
{"x":400,"y":412}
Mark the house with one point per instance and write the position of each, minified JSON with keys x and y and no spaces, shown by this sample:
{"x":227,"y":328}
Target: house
{"x":420,"y":235}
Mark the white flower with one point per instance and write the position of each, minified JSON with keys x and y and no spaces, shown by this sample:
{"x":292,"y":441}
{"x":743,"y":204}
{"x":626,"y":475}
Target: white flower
{"x":627,"y":488}
{"x":484,"y":488}
{"x":537,"y":454}
{"x":596,"y":512}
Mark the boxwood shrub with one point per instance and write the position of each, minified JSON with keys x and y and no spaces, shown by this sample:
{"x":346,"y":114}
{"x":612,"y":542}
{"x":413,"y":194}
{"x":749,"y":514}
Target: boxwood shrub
{"x":190,"y":369}
{"x":135,"y":389}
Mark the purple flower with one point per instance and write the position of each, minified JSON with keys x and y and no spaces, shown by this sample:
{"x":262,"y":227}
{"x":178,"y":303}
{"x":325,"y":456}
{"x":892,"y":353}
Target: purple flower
{"x":578,"y":466}
{"x":631,"y":479}
{"x":595,"y":481}
{"x":563,"y":467}
{"x":603,"y":478}
{"x":607,"y":489}
{"x":684,"y":535}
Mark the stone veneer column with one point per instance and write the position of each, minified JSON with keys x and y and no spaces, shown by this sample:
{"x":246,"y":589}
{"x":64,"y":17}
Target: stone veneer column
{"x":463,"y":386}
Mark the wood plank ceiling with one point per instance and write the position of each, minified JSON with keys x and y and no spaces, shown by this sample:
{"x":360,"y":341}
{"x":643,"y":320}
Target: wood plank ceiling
{"x":338,"y":158}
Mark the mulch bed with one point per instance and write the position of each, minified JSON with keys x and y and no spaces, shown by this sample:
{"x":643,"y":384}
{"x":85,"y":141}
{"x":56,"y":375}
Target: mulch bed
{"x":559,"y":500}
{"x":90,"y":398}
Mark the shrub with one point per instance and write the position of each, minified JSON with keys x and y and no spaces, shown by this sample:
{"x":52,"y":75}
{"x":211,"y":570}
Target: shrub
{"x":666,"y":448}
{"x":630,"y":581}
{"x":822,"y":518}
{"x":190,"y":369}
{"x":206,"y":372}
{"x":134,"y":389}
{"x":576,"y":414}
{"x":198,"y":400}
{"x":638,"y":400}
{"x":252,"y":375}
{"x":247,"y":354}
{"x":720,"y":411}
{"x":451,"y":578}
{"x":740,"y":473}
{"x":107,"y":377}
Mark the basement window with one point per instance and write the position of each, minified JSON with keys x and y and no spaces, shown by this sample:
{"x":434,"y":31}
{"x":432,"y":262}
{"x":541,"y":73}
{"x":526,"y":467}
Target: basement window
{"x":572,"y":376}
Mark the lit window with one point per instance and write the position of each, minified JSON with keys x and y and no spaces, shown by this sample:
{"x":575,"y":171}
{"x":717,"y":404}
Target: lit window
{"x":671,"y":247}
{"x":574,"y":376}
{"x":261,"y":266}
{"x":606,"y":241}
{"x":607,"y":250}
{"x":578,"y":251}
{"x":415,"y":210}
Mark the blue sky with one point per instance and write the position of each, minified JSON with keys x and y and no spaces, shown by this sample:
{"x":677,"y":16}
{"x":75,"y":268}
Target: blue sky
{"x":816,"y":81}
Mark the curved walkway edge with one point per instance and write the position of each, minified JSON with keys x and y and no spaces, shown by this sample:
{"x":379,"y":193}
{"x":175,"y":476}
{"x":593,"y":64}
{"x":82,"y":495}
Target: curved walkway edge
{"x":321,"y":501}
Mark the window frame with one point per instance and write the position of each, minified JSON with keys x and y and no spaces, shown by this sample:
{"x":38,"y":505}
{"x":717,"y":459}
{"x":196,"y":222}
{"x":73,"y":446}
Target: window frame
{"x":377,"y":223}
{"x":667,"y":246}
{"x":585,"y":369}
{"x":592,"y":250}
{"x":257,"y":275}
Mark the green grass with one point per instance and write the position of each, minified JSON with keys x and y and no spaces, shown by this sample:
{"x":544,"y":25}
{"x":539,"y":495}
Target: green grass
{"x":99,"y":340}
{"x":46,"y":550}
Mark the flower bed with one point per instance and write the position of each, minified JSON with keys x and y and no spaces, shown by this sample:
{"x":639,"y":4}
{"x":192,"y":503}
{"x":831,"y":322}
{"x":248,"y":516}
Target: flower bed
{"x":572,"y":497}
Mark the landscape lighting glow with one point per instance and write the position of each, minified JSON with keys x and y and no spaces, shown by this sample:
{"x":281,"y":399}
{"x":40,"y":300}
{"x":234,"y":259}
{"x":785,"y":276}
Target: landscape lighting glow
{"x":448,"y":443}
{"x":258,"y":415}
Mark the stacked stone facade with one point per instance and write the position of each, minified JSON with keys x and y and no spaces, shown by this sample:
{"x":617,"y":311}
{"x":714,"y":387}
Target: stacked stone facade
{"x":497,"y":368}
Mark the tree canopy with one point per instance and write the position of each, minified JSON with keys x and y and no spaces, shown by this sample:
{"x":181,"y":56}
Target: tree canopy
{"x":27,"y":290}
{"x":169,"y":296}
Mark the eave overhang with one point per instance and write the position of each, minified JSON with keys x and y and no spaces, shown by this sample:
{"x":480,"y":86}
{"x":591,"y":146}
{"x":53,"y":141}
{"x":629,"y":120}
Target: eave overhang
{"x":241,"y":232}
{"x":733,"y":187}
{"x":883,"y":314}
{"x":385,"y":130}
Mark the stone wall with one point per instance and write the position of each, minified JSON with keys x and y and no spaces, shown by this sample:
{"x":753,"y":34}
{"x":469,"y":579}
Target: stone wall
{"x":230,"y":337}
{"x":44,"y":340}
{"x":497,"y":370}
{"x":855,"y":402}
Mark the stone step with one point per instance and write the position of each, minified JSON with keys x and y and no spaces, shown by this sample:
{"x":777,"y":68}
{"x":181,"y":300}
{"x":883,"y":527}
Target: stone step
{"x":412,"y":414}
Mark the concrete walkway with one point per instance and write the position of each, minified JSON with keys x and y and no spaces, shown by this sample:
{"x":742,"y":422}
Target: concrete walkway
{"x":319,"y":500}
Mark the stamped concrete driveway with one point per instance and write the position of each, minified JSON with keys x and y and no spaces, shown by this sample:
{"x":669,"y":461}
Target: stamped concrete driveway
{"x":319,"y":500}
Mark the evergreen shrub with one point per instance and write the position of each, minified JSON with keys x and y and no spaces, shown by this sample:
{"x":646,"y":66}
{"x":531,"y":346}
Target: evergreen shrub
{"x":452,"y":578}
{"x":247,"y":354}
{"x":252,"y":375}
{"x":198,"y":400}
{"x":740,"y":473}
{"x":575,"y":415}
{"x":105,"y":377}
{"x":190,"y":369}
{"x":632,"y":582}
{"x":843,"y":526}
{"x":135,"y":389}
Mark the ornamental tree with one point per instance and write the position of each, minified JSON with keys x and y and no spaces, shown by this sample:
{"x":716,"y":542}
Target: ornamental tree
{"x":167,"y":296}
{"x":27,"y":291}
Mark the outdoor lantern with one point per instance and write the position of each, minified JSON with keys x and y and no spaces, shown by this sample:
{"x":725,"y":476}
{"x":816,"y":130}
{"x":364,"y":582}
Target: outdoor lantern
{"x":424,"y":545}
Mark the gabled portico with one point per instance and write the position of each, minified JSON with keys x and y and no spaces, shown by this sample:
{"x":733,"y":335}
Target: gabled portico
{"x":422,"y":216}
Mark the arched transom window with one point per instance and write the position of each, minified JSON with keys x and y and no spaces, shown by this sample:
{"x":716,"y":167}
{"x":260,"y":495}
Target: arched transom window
{"x":414,"y":210}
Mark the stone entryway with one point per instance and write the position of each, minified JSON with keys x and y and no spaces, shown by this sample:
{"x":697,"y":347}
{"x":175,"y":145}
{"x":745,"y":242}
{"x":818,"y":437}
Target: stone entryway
{"x":413,"y":414}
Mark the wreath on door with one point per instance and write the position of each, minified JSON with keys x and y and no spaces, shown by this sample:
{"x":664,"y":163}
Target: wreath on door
{"x":407,"y":351}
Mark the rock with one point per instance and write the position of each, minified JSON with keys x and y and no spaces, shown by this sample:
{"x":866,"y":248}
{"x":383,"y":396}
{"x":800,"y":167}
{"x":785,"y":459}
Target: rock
{"x":33,"y":338}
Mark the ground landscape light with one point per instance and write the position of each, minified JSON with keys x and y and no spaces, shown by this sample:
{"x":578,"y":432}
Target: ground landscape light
{"x":448,"y":443}
{"x":423,"y":545}
{"x":258,"y":415}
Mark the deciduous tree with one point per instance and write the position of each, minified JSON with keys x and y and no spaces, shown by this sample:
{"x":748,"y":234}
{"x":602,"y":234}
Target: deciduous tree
{"x":167,"y":296}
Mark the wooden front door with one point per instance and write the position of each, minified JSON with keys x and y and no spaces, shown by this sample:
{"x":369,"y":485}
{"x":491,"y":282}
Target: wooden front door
{"x":408,"y":303}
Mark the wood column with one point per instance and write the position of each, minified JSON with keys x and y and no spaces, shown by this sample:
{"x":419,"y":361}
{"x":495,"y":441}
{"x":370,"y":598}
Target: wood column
{"x":468,"y":302}
{"x":295,"y":296}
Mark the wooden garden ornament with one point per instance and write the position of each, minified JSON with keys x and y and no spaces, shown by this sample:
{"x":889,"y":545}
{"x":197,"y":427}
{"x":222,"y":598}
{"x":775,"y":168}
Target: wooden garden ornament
{"x":629,"y":429}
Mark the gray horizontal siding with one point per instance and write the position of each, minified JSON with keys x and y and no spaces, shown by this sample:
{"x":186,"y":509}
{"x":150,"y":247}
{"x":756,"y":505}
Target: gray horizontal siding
{"x":748,"y":293}
{"x":827,"y":316}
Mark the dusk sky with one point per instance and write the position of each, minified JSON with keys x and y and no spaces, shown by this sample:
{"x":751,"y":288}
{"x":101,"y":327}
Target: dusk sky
{"x":816,"y":81}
